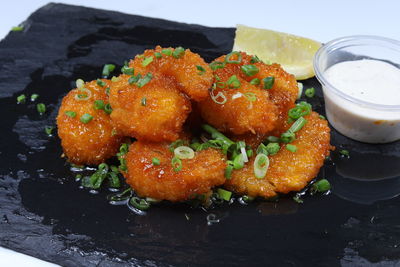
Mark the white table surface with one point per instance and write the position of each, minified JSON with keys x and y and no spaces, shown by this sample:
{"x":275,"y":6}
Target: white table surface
{"x":319,"y":20}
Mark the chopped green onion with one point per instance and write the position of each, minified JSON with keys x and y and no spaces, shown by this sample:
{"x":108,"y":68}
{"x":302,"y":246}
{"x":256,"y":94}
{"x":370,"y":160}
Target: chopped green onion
{"x":113,"y":179}
{"x":232,"y":61}
{"x":100,"y":83}
{"x":224,"y":194}
{"x":41,"y":108}
{"x":108,"y":108}
{"x":273,"y":139}
{"x":249,"y":153}
{"x":297,"y":125}
{"x":201,"y":69}
{"x":79,"y":83}
{"x":249,"y":70}
{"x":157,"y":55}
{"x":287,"y":137}
{"x":297,"y":199}
{"x":217,"y":65}
{"x":247,"y":198}
{"x":124,"y":195}
{"x":238,"y":162}
{"x":21,"y":99}
{"x":71,"y":114}
{"x":48,"y":130}
{"x":143,"y":101}
{"x":146,"y":61}
{"x":107,"y":91}
{"x":217,"y":96}
{"x":99,"y":104}
{"x":300,"y":86}
{"x":233,"y":82}
{"x":268,"y":82}
{"x":134,"y":79}
{"x":272,"y":148}
{"x":261,"y":164}
{"x":176,"y":144}
{"x":17,"y":28}
{"x":143,"y":81}
{"x":250,"y":96}
{"x":167,"y":51}
{"x":34,"y":97}
{"x":139,"y":203}
{"x":322,"y":117}
{"x":301,"y":109}
{"x":291,"y":148}
{"x":128,"y":71}
{"x":86,"y":118}
{"x":310,"y":92}
{"x":321,"y":186}
{"x":228,"y":171}
{"x":83,"y":94}
{"x":217,"y":135}
{"x":255,"y":81}
{"x":176,"y":164}
{"x":344,"y":152}
{"x":114,"y":79}
{"x":178,"y":52}
{"x":254,"y":59}
{"x":155,"y":161}
{"x":184,"y":152}
{"x":107,"y":69}
{"x":262,"y":149}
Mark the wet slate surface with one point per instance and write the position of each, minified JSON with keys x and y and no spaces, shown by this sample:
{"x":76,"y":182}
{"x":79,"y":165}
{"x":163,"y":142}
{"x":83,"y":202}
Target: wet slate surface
{"x":44,"y":213}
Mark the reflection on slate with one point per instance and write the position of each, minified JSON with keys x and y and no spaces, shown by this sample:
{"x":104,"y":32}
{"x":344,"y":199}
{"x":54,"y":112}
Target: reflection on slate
{"x":43,"y":212}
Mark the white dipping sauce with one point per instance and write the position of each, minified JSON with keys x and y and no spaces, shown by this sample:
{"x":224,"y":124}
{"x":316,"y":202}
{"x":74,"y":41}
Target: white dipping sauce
{"x":372,"y":81}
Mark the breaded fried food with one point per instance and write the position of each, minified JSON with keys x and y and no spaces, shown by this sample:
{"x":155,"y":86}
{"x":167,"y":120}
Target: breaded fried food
{"x":288,"y":171}
{"x":236,"y":104}
{"x":94,"y":141}
{"x":279,"y":91}
{"x":191,"y":73}
{"x":154,"y":112}
{"x":197,"y":176}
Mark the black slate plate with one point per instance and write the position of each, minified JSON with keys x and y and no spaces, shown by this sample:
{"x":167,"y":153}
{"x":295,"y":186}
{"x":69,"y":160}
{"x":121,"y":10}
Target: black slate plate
{"x":43,"y":212}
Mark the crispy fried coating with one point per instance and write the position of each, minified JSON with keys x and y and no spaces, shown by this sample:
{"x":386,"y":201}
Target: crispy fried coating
{"x":197,"y":176}
{"x":267,"y":112}
{"x":93,"y":142}
{"x":288,"y":171}
{"x":241,"y":109}
{"x":191,"y":73}
{"x":154,"y":112}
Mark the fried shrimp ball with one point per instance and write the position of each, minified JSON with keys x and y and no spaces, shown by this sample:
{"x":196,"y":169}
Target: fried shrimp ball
{"x":237,"y":104}
{"x":87,"y":133}
{"x":279,"y":90}
{"x":160,"y":181}
{"x":154,"y":112}
{"x":191,"y":73}
{"x":288,"y":171}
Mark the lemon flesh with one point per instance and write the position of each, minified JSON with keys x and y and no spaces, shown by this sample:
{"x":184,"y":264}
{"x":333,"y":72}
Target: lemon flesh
{"x":294,"y":53}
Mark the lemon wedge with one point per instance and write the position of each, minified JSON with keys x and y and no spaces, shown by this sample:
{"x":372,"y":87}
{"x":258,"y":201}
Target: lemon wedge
{"x":294,"y":53}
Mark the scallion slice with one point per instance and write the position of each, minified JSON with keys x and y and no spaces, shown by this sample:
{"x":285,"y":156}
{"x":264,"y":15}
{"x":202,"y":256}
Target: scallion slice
{"x":268,"y":82}
{"x":41,"y":108}
{"x":238,"y":162}
{"x":34,"y":97}
{"x":261,"y":164}
{"x":157,"y":55}
{"x":146,"y":61}
{"x":291,"y":148}
{"x":21,"y":99}
{"x":233,"y":61}
{"x":217,"y":65}
{"x":107,"y":69}
{"x":128,"y":71}
{"x":71,"y":114}
{"x":297,"y":125}
{"x":200,"y":69}
{"x":107,"y":108}
{"x":139,"y":203}
{"x":100,"y":83}
{"x":249,"y":70}
{"x":255,"y":81}
{"x":184,"y":152}
{"x":233,"y":82}
{"x":224,"y":194}
{"x":86,"y":118}
{"x":176,"y":164}
{"x":99,"y":104}
{"x":143,"y":101}
{"x":321,"y":186}
{"x":310,"y":92}
{"x":155,"y":161}
{"x":143,"y":81}
{"x":178,"y":52}
{"x":83,"y":94}
{"x":167,"y":51}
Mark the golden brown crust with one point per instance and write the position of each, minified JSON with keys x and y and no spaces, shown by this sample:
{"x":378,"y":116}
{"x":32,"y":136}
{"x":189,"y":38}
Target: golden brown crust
{"x":183,"y":70}
{"x":249,"y":108}
{"x":160,"y":118}
{"x":90,"y":143}
{"x":288,"y":171}
{"x":198,"y":175}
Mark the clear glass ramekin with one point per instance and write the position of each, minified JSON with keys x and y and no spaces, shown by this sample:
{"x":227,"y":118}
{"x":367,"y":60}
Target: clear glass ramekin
{"x":353,"y":117}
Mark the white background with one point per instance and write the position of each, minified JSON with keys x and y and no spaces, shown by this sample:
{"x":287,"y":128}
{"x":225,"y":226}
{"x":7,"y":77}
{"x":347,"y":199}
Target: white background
{"x":319,"y":20}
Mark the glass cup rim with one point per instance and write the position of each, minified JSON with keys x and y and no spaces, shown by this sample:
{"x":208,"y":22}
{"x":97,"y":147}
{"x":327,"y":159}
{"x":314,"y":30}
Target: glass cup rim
{"x":321,"y":78}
